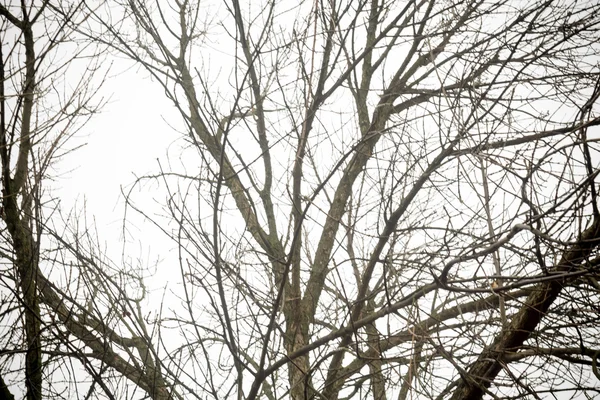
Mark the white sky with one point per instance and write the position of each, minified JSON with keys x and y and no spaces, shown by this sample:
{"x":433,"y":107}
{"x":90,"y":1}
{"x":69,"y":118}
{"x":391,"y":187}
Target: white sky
{"x":123,"y":141}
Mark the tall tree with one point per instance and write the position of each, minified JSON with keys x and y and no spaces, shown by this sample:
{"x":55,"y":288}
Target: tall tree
{"x":382,"y":198}
{"x":18,"y":217}
{"x":64,"y":308}
{"x":372,"y":199}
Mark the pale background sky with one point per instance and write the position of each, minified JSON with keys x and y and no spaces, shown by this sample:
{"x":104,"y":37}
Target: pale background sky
{"x":124,"y":141}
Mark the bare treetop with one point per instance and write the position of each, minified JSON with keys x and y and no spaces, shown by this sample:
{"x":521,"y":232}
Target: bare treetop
{"x":369,"y":199}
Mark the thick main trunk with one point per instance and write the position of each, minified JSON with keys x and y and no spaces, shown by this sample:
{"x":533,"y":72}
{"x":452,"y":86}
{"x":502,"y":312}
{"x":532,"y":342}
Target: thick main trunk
{"x":296,"y":337}
{"x":27,"y":267}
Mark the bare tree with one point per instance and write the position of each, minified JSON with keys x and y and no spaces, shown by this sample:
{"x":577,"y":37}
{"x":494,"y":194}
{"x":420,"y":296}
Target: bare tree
{"x":381,"y":199}
{"x":371,"y":199}
{"x":385,"y":199}
{"x":70,"y":326}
